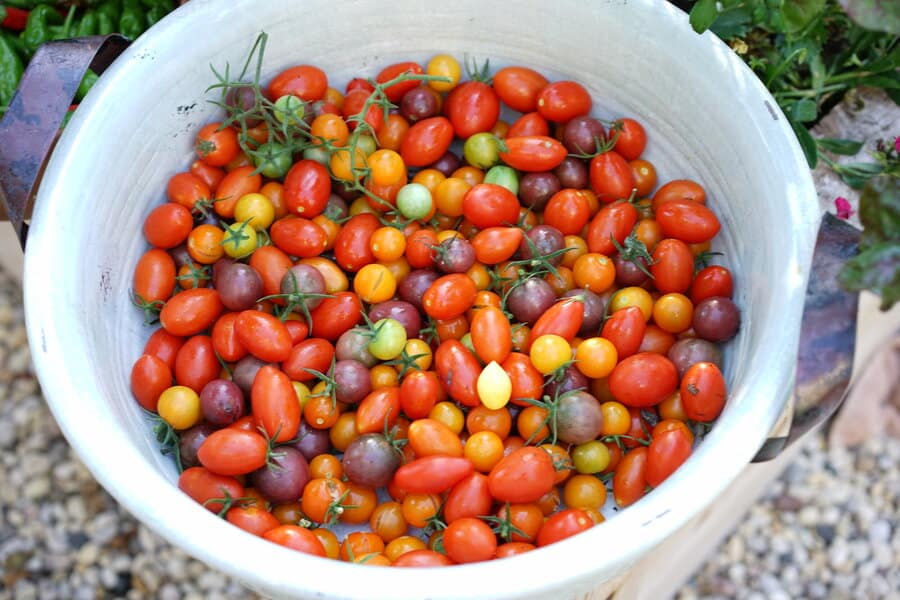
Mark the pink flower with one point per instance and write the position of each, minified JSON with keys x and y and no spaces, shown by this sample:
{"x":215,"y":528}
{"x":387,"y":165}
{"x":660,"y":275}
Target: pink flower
{"x":897,"y":143}
{"x":843,"y":207}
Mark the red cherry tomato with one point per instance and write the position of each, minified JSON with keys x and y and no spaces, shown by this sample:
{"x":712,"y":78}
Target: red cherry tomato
{"x":432,"y":474}
{"x":298,"y":237}
{"x":296,"y":538}
{"x":523,"y":476}
{"x":274,"y":403}
{"x":711,"y":281}
{"x":703,"y":392}
{"x":208,"y":488}
{"x":562,"y":525}
{"x":150,"y":377}
{"x":458,"y":370}
{"x":263,"y":335}
{"x":490,"y":205}
{"x":395,"y":92}
{"x":472,"y":107}
{"x":519,"y":87}
{"x":533,"y":153}
{"x":426,"y":141}
{"x":644,"y":379}
{"x":614,"y":220}
{"x":335,"y":315}
{"x":631,"y":139}
{"x":307,"y":187}
{"x":191,"y":311}
{"x":667,"y":451}
{"x":672,"y":266}
{"x":304,"y":81}
{"x":196,"y":363}
{"x":352,"y":248}
{"x":611,"y":177}
{"x":562,"y":101}
{"x":233,"y":452}
{"x":688,"y":221}
{"x":629,"y":481}
{"x":625,"y":329}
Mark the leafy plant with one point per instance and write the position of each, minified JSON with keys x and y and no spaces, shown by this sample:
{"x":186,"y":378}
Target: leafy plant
{"x":810,"y":54}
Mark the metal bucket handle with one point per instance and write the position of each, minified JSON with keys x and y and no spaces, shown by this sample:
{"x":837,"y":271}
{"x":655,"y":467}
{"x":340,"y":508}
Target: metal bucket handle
{"x":31,"y":123}
{"x":828,"y":331}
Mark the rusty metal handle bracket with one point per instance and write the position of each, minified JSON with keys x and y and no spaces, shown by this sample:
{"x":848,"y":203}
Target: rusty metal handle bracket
{"x":31,"y":124}
{"x":827,"y":340}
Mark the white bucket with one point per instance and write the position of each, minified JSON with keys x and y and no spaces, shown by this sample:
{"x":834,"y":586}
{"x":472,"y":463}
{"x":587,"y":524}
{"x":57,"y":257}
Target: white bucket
{"x":707,"y":116}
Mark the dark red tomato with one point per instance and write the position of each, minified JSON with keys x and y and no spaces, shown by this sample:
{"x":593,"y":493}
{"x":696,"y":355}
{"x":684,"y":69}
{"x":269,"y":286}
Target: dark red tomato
{"x":313,"y":353}
{"x":703,"y":392}
{"x":225,"y":340}
{"x":490,"y":205}
{"x":196,"y":363}
{"x":562,"y":525}
{"x":523,"y":476}
{"x":378,"y":410}
{"x":679,"y":189}
{"x":458,"y":370}
{"x":274,"y":403}
{"x":205,"y":486}
{"x":168,"y":225}
{"x":422,"y":558}
{"x":533,"y":153}
{"x":150,"y":377}
{"x":354,"y":102}
{"x":564,"y":319}
{"x":233,"y":452}
{"x":568,"y":210}
{"x":271,"y":263}
{"x":395,"y":92}
{"x":263,"y":335}
{"x":496,"y":244}
{"x":632,"y":139}
{"x":672,"y":267}
{"x":472,"y":107}
{"x":191,"y":311}
{"x":352,"y":250}
{"x":629,"y":480}
{"x":562,"y":101}
{"x":667,"y":451}
{"x":519,"y":87}
{"x":625,"y":329}
{"x":688,"y":221}
{"x":528,"y":124}
{"x":471,"y":497}
{"x":304,"y":81}
{"x":615,"y":220}
{"x":642,"y":380}
{"x":527,"y":381}
{"x":426,"y":141}
{"x":432,"y":474}
{"x":335,"y":315}
{"x":449,"y":296}
{"x":154,"y":276}
{"x":252,"y":519}
{"x":611,"y":177}
{"x":307,"y":187}
{"x":639,"y":428}
{"x":469,"y":540}
{"x":164,"y":346}
{"x":298,"y":236}
{"x":296,"y":538}
{"x":419,"y":392}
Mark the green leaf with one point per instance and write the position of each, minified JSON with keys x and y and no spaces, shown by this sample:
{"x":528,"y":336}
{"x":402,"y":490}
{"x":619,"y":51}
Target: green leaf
{"x":703,"y":15}
{"x":732,"y":23}
{"x":880,"y":15}
{"x":886,"y":82}
{"x":879,"y":210}
{"x":839,"y":146}
{"x":804,"y":111}
{"x":876,"y":269}
{"x":807,"y":143}
{"x":797,"y":14}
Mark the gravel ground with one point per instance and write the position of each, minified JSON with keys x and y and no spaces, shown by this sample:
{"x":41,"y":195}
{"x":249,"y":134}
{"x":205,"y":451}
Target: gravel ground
{"x":828,"y":528}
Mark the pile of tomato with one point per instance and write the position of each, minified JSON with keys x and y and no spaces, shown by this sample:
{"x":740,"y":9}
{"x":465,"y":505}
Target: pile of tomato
{"x":451,"y":331}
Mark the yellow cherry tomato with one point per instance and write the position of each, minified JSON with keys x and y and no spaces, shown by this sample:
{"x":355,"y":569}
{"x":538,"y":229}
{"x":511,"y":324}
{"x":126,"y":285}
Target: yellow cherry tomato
{"x":494,"y":386}
{"x":179,"y":406}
